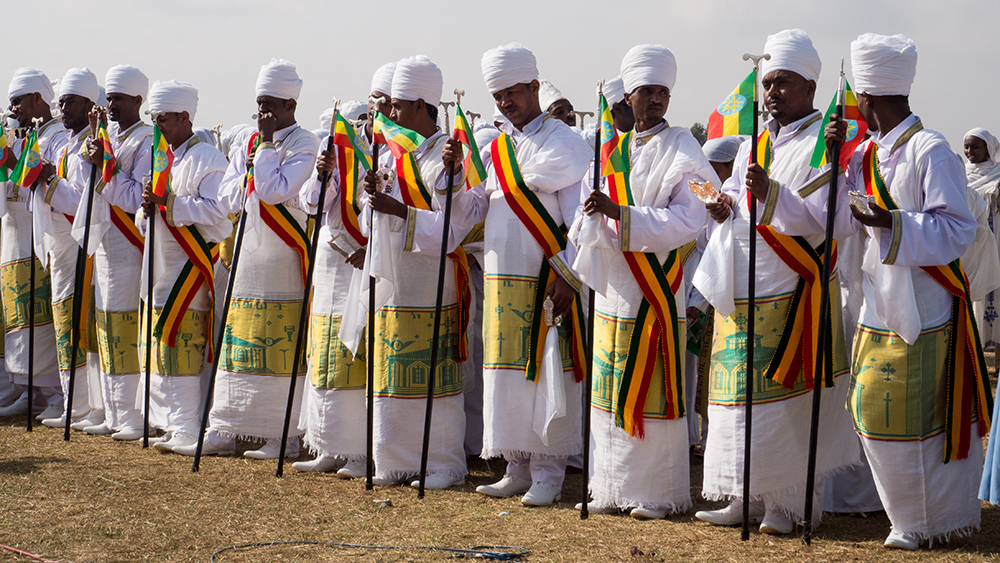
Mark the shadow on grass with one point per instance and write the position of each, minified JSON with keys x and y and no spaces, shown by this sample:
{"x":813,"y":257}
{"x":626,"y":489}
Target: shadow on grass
{"x":26,"y":465}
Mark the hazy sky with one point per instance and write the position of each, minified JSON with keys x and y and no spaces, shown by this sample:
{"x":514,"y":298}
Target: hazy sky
{"x":219,"y":46}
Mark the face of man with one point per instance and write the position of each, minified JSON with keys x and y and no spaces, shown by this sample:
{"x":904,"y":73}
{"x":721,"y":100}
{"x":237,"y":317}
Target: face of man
{"x":25,"y":107}
{"x":649,"y":104}
{"x":283,"y":110}
{"x":174,"y":126}
{"x":74,"y":110}
{"x":519,"y":103}
{"x":865,"y":109}
{"x":563,"y":111}
{"x":723,"y":169}
{"x":384,"y":107}
{"x":787,"y":96}
{"x":975,"y":150}
{"x":622,"y":114}
{"x":407,"y":113}
{"x":122,"y":107}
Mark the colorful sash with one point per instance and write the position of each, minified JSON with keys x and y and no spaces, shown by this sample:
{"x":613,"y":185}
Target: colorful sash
{"x":965,"y":368}
{"x":350,"y":211}
{"x":415,"y":194}
{"x":125,"y":222}
{"x":88,"y":268}
{"x":656,"y":324}
{"x":797,"y":350}
{"x":551,"y":238}
{"x":277,"y":217}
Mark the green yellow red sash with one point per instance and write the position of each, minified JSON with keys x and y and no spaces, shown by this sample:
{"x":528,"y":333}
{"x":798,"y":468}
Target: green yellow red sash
{"x":415,"y":194}
{"x":125,"y":222}
{"x":966,"y":373}
{"x":277,"y":217}
{"x":797,"y":350}
{"x":550,"y":237}
{"x":350,"y":211}
{"x":656,"y":331}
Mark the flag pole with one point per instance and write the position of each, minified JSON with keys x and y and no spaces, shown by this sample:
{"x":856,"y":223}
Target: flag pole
{"x":78,"y":289}
{"x":751,"y":305}
{"x":370,"y":423}
{"x":150,"y":238}
{"x":306,"y":292}
{"x":824,"y":341}
{"x":35,"y":122}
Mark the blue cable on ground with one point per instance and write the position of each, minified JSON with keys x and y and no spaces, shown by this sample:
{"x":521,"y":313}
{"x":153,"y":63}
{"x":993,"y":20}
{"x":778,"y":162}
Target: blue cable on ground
{"x":477,"y":552}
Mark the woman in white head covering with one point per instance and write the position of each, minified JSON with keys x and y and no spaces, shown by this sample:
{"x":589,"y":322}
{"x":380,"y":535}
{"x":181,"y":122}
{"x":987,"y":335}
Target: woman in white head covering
{"x":982,"y":150}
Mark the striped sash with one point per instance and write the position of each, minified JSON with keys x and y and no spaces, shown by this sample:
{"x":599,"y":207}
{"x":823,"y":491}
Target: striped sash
{"x":125,"y":222}
{"x":350,"y":211}
{"x":968,"y":391}
{"x":552,"y":240}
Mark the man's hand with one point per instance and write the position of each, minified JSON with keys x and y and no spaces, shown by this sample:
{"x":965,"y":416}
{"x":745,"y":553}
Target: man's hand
{"x":599,"y":202}
{"x":720,"y":208}
{"x":453,"y":153}
{"x":385,"y":203}
{"x":46,"y":172}
{"x":562,"y":296}
{"x":96,"y":152}
{"x":757,"y":181}
{"x":266,"y":123}
{"x":357,"y":259}
{"x":882,"y":217}
{"x":369,"y":182}
{"x":326,"y":163}
{"x":151,"y":200}
{"x":834,"y":132}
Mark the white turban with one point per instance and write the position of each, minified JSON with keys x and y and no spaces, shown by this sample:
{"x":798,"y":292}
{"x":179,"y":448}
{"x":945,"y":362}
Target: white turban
{"x":417,"y":78}
{"x":353,"y":109}
{"x":172,"y":96}
{"x":29,"y":81}
{"x":128,"y":80}
{"x":992,"y":144}
{"x":81,"y":82}
{"x":508,"y":65}
{"x":722,"y":149}
{"x":279,"y":79}
{"x":791,"y":50}
{"x":648,"y":64}
{"x":484,"y":133}
{"x":548,"y":94}
{"x":883,"y":65}
{"x":614,"y":90}
{"x":382,"y":79}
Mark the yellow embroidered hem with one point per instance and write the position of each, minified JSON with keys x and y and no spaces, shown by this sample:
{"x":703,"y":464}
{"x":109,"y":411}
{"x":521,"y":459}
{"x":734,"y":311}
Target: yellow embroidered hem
{"x":16,"y":293}
{"x":403,"y":347}
{"x":260,"y":337}
{"x":331,"y":364}
{"x":508,"y":310}
{"x":118,"y":341}
{"x":187,"y":357}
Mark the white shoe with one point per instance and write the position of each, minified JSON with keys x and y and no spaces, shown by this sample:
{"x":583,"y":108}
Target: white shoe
{"x":901,"y":540}
{"x":101,"y":429}
{"x":207,"y":448}
{"x":57,"y":422}
{"x":20,"y":407}
{"x":272,"y":448}
{"x":648,"y":513}
{"x":438,"y":481}
{"x":355,"y":469}
{"x":84,"y":422}
{"x":322,"y":464}
{"x":506,"y":487}
{"x":387,"y":481}
{"x":776,"y":523}
{"x":51,"y":411}
{"x":597,"y":508}
{"x":154,"y":439}
{"x":179,"y":439}
{"x":128,"y":434}
{"x":541,"y":494}
{"x":731,"y":515}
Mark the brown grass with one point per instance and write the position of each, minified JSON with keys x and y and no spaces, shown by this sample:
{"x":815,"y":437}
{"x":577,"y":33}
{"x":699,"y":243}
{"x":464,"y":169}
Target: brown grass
{"x":94,"y":500}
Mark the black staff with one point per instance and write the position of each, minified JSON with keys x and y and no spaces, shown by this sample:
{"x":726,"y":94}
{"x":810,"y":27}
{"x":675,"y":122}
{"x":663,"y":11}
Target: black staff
{"x":824,"y":349}
{"x":78,"y":289}
{"x":370,"y":429}
{"x":31,"y":307}
{"x":751,"y":274}
{"x":150,"y":237}
{"x":304,"y":315}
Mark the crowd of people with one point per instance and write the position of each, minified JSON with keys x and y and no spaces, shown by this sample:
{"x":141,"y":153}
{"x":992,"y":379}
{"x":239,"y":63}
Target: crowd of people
{"x":531,"y":232}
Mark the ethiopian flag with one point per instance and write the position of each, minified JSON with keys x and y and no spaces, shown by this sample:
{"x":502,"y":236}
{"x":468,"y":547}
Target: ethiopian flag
{"x":856,"y":129}
{"x":163,"y":160}
{"x":346,"y":136}
{"x":399,"y":139}
{"x":611,"y":155}
{"x":109,"y":167}
{"x":734,"y":116}
{"x":4,"y":153}
{"x":475,"y":172}
{"x":30,"y":164}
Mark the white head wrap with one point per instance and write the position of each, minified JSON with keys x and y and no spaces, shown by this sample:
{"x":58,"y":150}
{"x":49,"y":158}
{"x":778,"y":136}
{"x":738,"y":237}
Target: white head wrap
{"x":235,"y":138}
{"x":484,"y":133}
{"x":29,"y":81}
{"x":382,"y":79}
{"x":548,"y":94}
{"x":883,"y":65}
{"x":417,"y":78}
{"x":206,"y":136}
{"x":614,"y":90}
{"x":128,"y":80}
{"x":326,"y":120}
{"x":648,"y":64}
{"x":508,"y":65}
{"x":279,"y":79}
{"x":984,"y":175}
{"x":353,"y":109}
{"x":791,"y":50}
{"x":81,"y":82}
{"x":992,"y":144}
{"x":172,"y":96}
{"x":722,"y":149}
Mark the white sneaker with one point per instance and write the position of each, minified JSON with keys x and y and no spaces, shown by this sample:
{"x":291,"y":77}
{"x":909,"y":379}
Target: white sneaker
{"x":101,"y":429}
{"x":128,"y":434}
{"x":776,"y":523}
{"x":355,"y":469}
{"x":541,"y":494}
{"x":597,"y":508}
{"x":207,"y":448}
{"x":387,"y":481}
{"x":322,"y":464}
{"x":154,"y":439}
{"x":57,"y":422}
{"x":648,"y":513}
{"x":506,"y":487}
{"x":20,"y":407}
{"x":51,"y":411}
{"x":731,"y":515}
{"x":901,"y":540}
{"x":178,"y":439}
{"x":272,"y":448}
{"x":438,"y":481}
